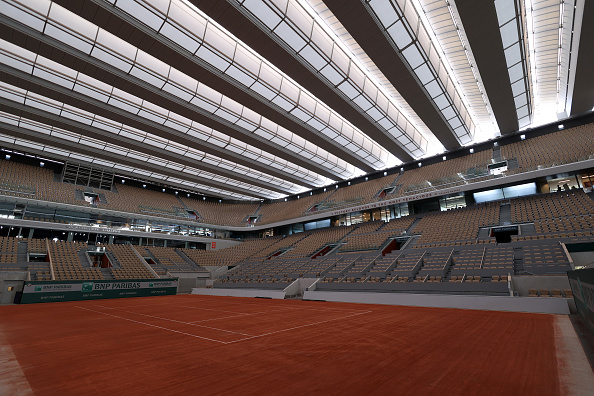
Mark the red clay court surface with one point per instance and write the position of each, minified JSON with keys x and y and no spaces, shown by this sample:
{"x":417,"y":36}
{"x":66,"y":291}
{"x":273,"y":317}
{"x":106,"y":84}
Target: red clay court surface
{"x":207,"y":345}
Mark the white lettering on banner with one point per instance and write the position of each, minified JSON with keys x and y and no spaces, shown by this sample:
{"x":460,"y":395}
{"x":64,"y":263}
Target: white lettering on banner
{"x":88,"y":286}
{"x":92,"y":229}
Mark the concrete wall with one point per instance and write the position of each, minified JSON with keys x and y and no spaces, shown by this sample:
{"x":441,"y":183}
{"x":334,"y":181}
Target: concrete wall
{"x":8,"y":279}
{"x":582,"y":259}
{"x":521,"y":284}
{"x":276,"y":294}
{"x":489,"y":303}
{"x":296,"y":288}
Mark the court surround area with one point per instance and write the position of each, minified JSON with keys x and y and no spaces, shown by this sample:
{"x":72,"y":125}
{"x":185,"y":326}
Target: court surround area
{"x":227,"y":345}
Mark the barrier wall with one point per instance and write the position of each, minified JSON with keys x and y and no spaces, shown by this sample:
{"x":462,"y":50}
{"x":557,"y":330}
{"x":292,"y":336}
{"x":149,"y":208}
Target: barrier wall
{"x":54,"y":291}
{"x":582,"y":286}
{"x":489,"y":303}
{"x":276,"y":294}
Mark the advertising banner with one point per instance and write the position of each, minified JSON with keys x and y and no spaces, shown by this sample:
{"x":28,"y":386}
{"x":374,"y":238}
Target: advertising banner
{"x":53,"y":291}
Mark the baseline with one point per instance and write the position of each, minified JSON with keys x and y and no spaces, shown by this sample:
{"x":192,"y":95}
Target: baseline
{"x":152,"y":325}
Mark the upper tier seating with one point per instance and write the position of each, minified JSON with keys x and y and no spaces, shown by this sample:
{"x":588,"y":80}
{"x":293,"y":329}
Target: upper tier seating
{"x":569,"y":145}
{"x":456,"y":224}
{"x":557,"y":148}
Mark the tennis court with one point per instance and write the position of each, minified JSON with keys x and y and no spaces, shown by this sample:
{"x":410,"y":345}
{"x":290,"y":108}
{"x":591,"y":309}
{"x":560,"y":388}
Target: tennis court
{"x":224,"y":345}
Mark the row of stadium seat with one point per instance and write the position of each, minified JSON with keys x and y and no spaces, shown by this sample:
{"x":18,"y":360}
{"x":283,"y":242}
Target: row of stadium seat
{"x":569,"y":145}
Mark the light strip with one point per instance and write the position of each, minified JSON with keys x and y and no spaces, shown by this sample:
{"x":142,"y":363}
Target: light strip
{"x":296,"y":27}
{"x":70,"y":136}
{"x":103,"y":46}
{"x":39,"y":66}
{"x":412,"y":42}
{"x":518,"y":65}
{"x":472,"y":91}
{"x":206,"y":42}
{"x":549,"y":74}
{"x":54,"y":107}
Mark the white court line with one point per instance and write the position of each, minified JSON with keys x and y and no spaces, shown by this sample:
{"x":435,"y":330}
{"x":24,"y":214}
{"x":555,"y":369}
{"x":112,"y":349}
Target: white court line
{"x":226,"y":342}
{"x":177,"y":305}
{"x":143,"y":305}
{"x":188,"y":323}
{"x":236,"y":316}
{"x":297,"y":327}
{"x":212,"y":309}
{"x":326,"y":309}
{"x":148,"y":324}
{"x":277,"y":305}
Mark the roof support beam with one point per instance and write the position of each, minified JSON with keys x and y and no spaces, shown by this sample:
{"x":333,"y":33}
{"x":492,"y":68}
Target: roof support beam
{"x":44,"y":117}
{"x":583,"y":91}
{"x":360,"y":24}
{"x":240,"y":26}
{"x":58,"y":52}
{"x":479,"y":19}
{"x":61,"y":94}
{"x":134,"y":33}
{"x":22,"y":133}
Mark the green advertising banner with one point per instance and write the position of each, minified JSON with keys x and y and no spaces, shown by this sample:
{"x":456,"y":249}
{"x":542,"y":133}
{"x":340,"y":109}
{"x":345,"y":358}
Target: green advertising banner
{"x":582,"y":287}
{"x":53,"y":291}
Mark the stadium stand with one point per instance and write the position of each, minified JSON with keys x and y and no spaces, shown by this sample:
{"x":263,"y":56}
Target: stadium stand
{"x":557,"y":148}
{"x":561,"y":147}
{"x":65,"y":257}
{"x":130,"y":265}
{"x":352,"y":254}
{"x":462,"y":225}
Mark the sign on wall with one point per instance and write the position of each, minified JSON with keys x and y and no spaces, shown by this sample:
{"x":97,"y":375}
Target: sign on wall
{"x":53,"y":291}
